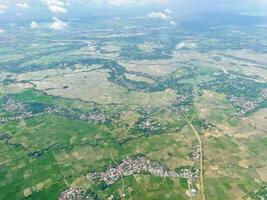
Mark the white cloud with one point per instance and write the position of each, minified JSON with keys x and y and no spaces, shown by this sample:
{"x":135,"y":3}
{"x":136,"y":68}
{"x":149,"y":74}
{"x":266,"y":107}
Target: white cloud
{"x":55,"y":2}
{"x":163,"y":15}
{"x":158,"y":15}
{"x":120,"y":2}
{"x":262,"y":25}
{"x":123,"y":2}
{"x":3,"y":7}
{"x":168,"y":11}
{"x":186,"y":45}
{"x":23,"y":5}
{"x":34,"y":25}
{"x":172,"y":22}
{"x":57,"y":24}
{"x":57,"y":9}
{"x":56,"y":6}
{"x":2,"y":31}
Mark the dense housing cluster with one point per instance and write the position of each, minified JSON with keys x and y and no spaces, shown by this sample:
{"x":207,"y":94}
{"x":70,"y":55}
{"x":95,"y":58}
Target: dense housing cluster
{"x":196,"y":152}
{"x":95,"y":116}
{"x":19,"y":110}
{"x":245,"y":105}
{"x":243,"y":92}
{"x":148,"y":125}
{"x":75,"y":194}
{"x":140,"y":165}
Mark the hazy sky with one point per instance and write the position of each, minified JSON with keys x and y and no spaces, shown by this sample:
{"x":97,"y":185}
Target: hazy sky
{"x":56,"y":11}
{"x":61,"y":6}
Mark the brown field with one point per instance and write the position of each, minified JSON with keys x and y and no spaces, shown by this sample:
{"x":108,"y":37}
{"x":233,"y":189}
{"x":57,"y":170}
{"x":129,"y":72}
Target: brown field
{"x":157,"y":68}
{"x":94,"y":86}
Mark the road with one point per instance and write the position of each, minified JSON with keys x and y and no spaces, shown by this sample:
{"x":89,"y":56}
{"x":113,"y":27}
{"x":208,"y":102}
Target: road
{"x":201,"y":181}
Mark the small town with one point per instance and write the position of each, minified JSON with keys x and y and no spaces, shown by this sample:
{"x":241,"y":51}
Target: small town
{"x":140,"y":165}
{"x":94,"y":116}
{"x":21,"y":111}
{"x":17,"y":109}
{"x":75,"y":194}
{"x":244,"y":106}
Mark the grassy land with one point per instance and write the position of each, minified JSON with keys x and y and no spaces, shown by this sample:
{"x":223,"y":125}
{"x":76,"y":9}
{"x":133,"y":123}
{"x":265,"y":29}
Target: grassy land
{"x":85,"y":147}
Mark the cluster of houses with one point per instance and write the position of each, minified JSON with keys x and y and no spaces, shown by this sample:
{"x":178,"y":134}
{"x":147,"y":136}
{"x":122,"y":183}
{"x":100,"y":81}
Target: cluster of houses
{"x":244,"y":105}
{"x":75,"y":194}
{"x":11,"y":106}
{"x":140,"y":165}
{"x":20,"y":111}
{"x":146,"y":123}
{"x":146,"y":110}
{"x":24,"y":115}
{"x":182,"y":99}
{"x":196,"y":153}
{"x":17,"y":109}
{"x":183,"y":102}
{"x":93,"y":116}
{"x":149,"y":125}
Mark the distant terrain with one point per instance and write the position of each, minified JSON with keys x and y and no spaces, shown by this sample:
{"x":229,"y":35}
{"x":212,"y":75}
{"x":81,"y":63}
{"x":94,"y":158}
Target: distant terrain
{"x":134,"y":108}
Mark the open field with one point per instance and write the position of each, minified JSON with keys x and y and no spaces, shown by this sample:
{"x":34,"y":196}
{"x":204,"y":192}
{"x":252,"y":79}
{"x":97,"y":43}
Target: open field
{"x":93,"y":86}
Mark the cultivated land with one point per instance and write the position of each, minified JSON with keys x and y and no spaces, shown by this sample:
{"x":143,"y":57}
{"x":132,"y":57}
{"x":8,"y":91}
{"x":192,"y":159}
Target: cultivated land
{"x":148,"y":111}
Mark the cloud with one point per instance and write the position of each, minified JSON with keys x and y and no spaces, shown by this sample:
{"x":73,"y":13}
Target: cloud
{"x":23,"y":5}
{"x":2,"y":31}
{"x":213,"y":6}
{"x":57,"y":24}
{"x":35,"y":25}
{"x":3,"y":8}
{"x":125,"y":2}
{"x":172,"y":22}
{"x":158,"y":15}
{"x":56,"y":6}
{"x":168,"y":11}
{"x":163,"y":15}
{"x":57,"y":9}
{"x":122,"y":2}
{"x":181,"y":7}
{"x":55,"y":2}
{"x":186,"y":45}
